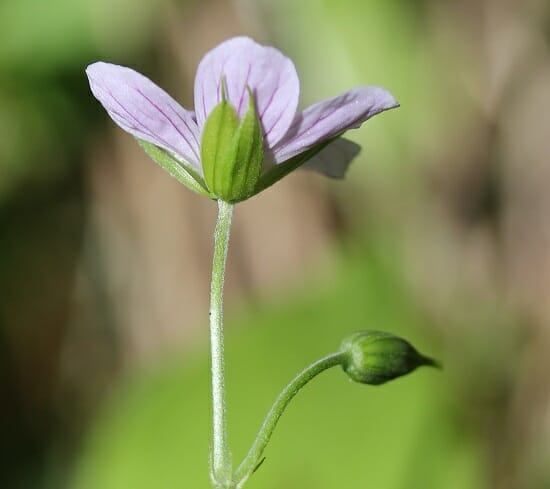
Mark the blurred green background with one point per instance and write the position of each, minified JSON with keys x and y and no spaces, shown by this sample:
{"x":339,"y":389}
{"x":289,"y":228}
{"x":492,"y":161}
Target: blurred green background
{"x":440,"y":233}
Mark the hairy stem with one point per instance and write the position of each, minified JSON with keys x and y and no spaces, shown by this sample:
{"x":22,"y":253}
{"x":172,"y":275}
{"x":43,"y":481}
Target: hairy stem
{"x":221,"y":464}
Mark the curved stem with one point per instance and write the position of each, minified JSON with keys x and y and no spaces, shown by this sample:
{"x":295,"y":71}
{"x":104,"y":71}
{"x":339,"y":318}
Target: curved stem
{"x":253,"y":457}
{"x":220,"y":454}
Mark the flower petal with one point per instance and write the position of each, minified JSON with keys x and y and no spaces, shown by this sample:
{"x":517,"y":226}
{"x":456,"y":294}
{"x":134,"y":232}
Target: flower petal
{"x":332,"y":117}
{"x":271,"y":76}
{"x":334,"y":160}
{"x":146,"y":111}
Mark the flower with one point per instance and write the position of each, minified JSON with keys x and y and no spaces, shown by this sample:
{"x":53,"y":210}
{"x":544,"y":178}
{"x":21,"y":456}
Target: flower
{"x":248,"y":95}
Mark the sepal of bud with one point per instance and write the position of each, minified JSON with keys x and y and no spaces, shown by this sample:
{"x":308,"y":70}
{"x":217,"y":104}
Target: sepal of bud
{"x":232,"y":150}
{"x":374,"y":357}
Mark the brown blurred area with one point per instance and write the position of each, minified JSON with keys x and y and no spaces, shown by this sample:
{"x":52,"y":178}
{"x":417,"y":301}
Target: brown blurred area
{"x":106,"y":269}
{"x":483,"y":235}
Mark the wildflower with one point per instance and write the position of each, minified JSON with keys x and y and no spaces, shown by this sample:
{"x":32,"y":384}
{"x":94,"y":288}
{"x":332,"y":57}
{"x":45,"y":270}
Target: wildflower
{"x":246,"y":132}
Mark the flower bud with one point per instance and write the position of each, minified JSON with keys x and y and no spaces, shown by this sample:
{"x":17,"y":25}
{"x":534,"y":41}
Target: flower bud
{"x":232,"y":151}
{"x":374,"y":357}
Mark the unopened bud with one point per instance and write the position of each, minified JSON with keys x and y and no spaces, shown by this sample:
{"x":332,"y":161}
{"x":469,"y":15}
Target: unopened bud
{"x":374,"y":357}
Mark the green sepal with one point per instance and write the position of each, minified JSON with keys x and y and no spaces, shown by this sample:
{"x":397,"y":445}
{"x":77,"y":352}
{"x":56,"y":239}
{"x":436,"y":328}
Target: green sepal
{"x":183,"y":174}
{"x":232,"y":151}
{"x":217,"y":141}
{"x":249,"y":152}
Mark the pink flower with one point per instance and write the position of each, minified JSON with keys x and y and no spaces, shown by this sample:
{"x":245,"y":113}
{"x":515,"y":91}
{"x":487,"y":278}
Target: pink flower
{"x":173,"y":135}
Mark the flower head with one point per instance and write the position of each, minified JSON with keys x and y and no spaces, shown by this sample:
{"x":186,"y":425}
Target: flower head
{"x":246,"y":132}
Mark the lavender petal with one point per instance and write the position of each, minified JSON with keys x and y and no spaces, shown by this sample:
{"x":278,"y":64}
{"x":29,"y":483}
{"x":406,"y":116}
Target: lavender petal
{"x":332,"y":117}
{"x":146,"y":111}
{"x":270,"y":75}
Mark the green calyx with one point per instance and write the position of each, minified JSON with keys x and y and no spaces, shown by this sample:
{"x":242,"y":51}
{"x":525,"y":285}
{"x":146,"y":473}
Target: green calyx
{"x":232,"y":151}
{"x":374,"y":357}
{"x":183,"y":173}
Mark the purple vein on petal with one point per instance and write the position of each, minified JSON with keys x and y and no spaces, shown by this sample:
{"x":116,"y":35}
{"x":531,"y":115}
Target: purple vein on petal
{"x":270,"y":101}
{"x":170,"y":121}
{"x":332,"y":117}
{"x":241,"y":98}
{"x":140,"y":127}
{"x":270,"y":76}
{"x":186,"y":124}
{"x":147,"y":130}
{"x":321,"y":118}
{"x":271,"y":97}
{"x":276,"y":121}
{"x":144,"y":110}
{"x":132,"y":116}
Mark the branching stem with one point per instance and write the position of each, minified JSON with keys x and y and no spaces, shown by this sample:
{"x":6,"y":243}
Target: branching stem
{"x":253,"y":458}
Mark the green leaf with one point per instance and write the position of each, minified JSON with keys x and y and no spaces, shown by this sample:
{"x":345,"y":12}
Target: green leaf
{"x":183,"y":174}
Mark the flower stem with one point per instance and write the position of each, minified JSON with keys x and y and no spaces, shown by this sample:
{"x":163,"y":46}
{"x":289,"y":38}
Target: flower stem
{"x":253,"y":458}
{"x":221,"y":469}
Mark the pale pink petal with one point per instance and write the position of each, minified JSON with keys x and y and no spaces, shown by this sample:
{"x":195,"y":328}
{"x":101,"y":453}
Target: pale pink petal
{"x":146,"y":111}
{"x":332,"y":117}
{"x":270,"y":75}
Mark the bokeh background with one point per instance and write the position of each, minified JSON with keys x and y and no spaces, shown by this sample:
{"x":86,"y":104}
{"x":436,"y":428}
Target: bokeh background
{"x":441,"y":233}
